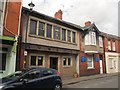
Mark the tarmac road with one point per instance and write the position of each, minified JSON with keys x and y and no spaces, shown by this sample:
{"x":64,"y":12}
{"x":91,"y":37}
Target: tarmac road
{"x":106,"y":82}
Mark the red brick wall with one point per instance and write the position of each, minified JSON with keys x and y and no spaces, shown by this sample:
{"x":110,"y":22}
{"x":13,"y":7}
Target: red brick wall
{"x":11,"y":19}
{"x":83,"y":66}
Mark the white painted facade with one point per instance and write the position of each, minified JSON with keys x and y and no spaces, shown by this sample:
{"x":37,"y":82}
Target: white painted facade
{"x":112,"y":62}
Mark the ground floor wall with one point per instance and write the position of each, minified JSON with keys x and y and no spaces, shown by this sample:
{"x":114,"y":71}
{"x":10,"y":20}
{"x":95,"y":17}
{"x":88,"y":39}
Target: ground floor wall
{"x":64,"y":63}
{"x":8,"y":59}
{"x":89,"y":68}
{"x":112,"y":62}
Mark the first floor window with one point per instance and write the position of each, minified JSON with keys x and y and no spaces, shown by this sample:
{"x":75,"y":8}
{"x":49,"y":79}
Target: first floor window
{"x":36,"y":60}
{"x":3,"y":61}
{"x":113,"y":45}
{"x":73,"y":37}
{"x":64,"y":34}
{"x":33,"y":27}
{"x":67,"y":61}
{"x":90,"y":61}
{"x":56,"y":32}
{"x":69,"y":36}
{"x":41,"y":29}
{"x":49,"y":31}
{"x":109,"y":45}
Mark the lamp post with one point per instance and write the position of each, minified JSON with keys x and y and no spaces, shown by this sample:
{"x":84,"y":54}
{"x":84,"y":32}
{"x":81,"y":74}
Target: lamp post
{"x":31,"y":5}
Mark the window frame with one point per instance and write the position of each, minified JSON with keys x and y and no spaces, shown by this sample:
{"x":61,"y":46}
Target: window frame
{"x":50,"y":30}
{"x":90,"y":38}
{"x":37,"y":65}
{"x":30,"y":27}
{"x":113,"y":46}
{"x":67,"y":65}
{"x":109,"y":45}
{"x":100,"y":41}
{"x":92,"y":62}
{"x":43,"y":29}
{"x":69,"y":37}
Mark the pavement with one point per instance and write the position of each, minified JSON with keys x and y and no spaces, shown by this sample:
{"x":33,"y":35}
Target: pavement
{"x":72,"y":80}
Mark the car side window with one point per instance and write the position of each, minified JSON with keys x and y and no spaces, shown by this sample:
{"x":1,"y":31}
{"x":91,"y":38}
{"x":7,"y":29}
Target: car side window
{"x":32,"y":75}
{"x":47,"y":72}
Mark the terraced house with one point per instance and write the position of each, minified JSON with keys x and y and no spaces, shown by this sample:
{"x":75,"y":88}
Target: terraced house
{"x":9,"y":31}
{"x":48,"y":42}
{"x":112,"y":53}
{"x":91,"y":53}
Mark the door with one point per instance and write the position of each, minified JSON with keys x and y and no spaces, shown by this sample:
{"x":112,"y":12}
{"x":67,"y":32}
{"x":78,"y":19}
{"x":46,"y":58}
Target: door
{"x":54,"y":62}
{"x":101,"y":67}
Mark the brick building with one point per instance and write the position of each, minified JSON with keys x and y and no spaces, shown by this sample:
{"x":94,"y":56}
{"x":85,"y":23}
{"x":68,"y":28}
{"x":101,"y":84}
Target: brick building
{"x":91,"y":52}
{"x":112,"y":52}
{"x":9,"y":31}
{"x":48,"y":42}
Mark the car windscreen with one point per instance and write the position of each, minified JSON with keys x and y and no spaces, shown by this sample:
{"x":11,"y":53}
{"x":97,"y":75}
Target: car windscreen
{"x":11,"y":76}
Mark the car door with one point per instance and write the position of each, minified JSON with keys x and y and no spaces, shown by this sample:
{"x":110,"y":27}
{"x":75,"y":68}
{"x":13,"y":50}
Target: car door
{"x":30,"y":80}
{"x":47,"y":79}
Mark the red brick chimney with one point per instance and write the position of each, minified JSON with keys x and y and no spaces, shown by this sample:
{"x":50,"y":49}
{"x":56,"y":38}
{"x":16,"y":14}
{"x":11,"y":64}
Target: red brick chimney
{"x":58,"y":14}
{"x":87,"y":24}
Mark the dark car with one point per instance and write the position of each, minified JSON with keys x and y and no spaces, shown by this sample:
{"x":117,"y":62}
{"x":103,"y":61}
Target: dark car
{"x":33,"y":78}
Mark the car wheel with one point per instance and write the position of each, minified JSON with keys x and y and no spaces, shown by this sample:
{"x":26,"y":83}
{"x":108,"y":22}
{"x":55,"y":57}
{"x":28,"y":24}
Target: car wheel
{"x":57,"y":87}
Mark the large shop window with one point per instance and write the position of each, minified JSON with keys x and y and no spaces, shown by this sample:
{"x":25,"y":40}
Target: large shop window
{"x":90,"y":39}
{"x":36,"y":61}
{"x":2,"y":61}
{"x":56,"y":32}
{"x":33,"y":27}
{"x":90,"y":62}
{"x":69,"y":36}
{"x":49,"y":31}
{"x":67,"y":61}
{"x":41,"y":29}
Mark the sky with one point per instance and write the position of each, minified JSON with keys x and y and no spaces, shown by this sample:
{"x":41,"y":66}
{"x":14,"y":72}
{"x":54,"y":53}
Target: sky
{"x":104,"y":13}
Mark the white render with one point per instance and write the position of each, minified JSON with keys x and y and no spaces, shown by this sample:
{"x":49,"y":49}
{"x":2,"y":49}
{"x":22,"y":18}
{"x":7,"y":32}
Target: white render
{"x":112,"y":62}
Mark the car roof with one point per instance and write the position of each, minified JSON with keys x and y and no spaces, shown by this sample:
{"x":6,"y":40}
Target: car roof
{"x":38,"y":68}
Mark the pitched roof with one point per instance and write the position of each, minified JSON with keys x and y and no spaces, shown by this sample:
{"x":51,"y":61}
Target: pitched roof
{"x":51,"y":19}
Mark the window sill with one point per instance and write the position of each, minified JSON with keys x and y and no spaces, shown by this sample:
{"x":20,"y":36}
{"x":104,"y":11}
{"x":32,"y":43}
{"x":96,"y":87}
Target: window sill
{"x":90,"y":68}
{"x":67,"y":66}
{"x":51,"y":39}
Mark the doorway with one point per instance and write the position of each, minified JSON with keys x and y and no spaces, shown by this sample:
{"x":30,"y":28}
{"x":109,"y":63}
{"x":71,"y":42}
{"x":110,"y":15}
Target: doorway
{"x":54,"y":62}
{"x":101,"y":65}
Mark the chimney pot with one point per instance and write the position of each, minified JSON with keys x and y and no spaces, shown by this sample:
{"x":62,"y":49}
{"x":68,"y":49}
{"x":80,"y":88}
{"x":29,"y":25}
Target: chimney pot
{"x":87,"y":24}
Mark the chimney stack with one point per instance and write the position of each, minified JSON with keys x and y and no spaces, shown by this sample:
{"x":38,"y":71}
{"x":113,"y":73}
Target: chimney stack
{"x":58,"y":14}
{"x":87,"y":24}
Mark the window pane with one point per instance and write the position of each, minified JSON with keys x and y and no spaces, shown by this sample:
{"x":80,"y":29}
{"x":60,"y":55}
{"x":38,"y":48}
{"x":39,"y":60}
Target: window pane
{"x":2,"y":61}
{"x":69,"y":61}
{"x":49,"y":31}
{"x":40,"y":60}
{"x":41,"y":29}
{"x":69,"y":36}
{"x":33,"y":60}
{"x":33,"y":25}
{"x":90,"y":61}
{"x":109,"y":46}
{"x":73,"y":37}
{"x":63,"y":34}
{"x":1,"y":6}
{"x":64,"y":61}
{"x":56,"y":32}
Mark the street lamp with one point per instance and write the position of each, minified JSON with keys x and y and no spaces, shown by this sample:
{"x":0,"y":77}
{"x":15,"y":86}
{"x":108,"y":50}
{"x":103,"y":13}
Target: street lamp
{"x":31,"y":5}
